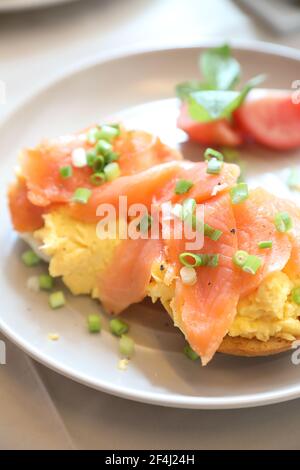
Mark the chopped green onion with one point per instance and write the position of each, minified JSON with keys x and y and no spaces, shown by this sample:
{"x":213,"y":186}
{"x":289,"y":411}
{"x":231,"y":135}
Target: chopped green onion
{"x":240,"y":258}
{"x":98,"y":164}
{"x":109,"y":132}
{"x":112,"y":157}
{"x":183,"y":186}
{"x":94,"y":323}
{"x":145,"y":223}
{"x":93,"y":135}
{"x":296,"y":295}
{"x":188,"y":209}
{"x":188,"y":275}
{"x":214,"y":166}
{"x":265,"y":244}
{"x":91,"y":157}
{"x":211,"y":153}
{"x":213,"y":260}
{"x":212,"y":233}
{"x":57,"y":299}
{"x":103,"y":147}
{"x":66,"y":171}
{"x":97,"y":179}
{"x":126,"y":346}
{"x":116,"y":125}
{"x":112,"y":171}
{"x":293,"y":180}
{"x":81,"y":195}
{"x":118,"y":327}
{"x":190,"y":353}
{"x":283,"y":222}
{"x":252,"y":264}
{"x":30,"y":258}
{"x":198,"y":260}
{"x":239,"y":193}
{"x":46,"y":282}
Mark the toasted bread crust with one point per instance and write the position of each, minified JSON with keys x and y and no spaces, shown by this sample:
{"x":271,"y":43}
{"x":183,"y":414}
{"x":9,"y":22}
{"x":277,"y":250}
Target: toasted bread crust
{"x":239,"y":346}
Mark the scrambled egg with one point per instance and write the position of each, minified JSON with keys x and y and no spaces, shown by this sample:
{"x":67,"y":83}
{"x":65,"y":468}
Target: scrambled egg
{"x":76,"y":252}
{"x":78,"y":255}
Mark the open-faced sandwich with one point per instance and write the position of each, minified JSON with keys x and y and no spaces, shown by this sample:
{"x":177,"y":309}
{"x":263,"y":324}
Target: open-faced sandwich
{"x":239,"y":293}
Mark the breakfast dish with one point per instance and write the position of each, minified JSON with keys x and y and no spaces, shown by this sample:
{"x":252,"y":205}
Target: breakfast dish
{"x":61,"y":339}
{"x":243,"y":284}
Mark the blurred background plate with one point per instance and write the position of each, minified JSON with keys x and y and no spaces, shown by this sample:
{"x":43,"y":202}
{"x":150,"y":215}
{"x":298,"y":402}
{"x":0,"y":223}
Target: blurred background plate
{"x":137,"y":87}
{"x":14,"y":5}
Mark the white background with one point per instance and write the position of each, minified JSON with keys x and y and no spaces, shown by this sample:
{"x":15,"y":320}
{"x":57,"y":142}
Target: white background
{"x":38,"y":408}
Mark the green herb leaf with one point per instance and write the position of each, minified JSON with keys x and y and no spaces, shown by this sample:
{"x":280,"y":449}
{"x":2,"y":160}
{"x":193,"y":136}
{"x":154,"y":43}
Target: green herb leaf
{"x":205,"y":106}
{"x":220,"y":70}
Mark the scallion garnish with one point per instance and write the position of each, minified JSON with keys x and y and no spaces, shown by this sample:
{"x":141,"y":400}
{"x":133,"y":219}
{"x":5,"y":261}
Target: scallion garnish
{"x":188,"y":275}
{"x":91,"y":156}
{"x":211,"y":153}
{"x":97,"y":178}
{"x":183,"y":186}
{"x":283,"y":222}
{"x":81,"y":195}
{"x":93,"y":135}
{"x":190,"y":353}
{"x":212,"y":233}
{"x":98,"y":164}
{"x":109,"y":133}
{"x":239,"y":193}
{"x":296,"y":295}
{"x":240,"y":257}
{"x":118,"y":327}
{"x":46,"y":282}
{"x":30,"y":258}
{"x":265,"y":244}
{"x":103,"y":147}
{"x":57,"y":299}
{"x":252,"y":264}
{"x":112,"y":157}
{"x":94,"y":323}
{"x":112,"y":171}
{"x":191,"y":260}
{"x":214,"y":166}
{"x":66,"y":171}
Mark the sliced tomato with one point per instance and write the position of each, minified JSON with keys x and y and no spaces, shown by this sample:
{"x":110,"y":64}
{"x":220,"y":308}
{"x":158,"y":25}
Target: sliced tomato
{"x":270,"y":118}
{"x":219,"y":132}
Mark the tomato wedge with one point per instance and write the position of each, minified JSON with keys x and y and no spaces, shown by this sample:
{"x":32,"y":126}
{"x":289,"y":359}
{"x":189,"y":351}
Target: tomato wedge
{"x":270,"y":118}
{"x":219,"y":132}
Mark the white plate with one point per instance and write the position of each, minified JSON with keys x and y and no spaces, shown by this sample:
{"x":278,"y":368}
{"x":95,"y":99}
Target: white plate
{"x":139,"y":87}
{"x":14,"y":5}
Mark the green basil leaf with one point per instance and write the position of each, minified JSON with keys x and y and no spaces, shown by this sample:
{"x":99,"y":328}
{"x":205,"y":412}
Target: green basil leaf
{"x":220,"y":70}
{"x":205,"y":106}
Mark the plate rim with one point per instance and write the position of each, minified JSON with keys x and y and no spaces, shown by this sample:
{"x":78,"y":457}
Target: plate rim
{"x":159,"y":398}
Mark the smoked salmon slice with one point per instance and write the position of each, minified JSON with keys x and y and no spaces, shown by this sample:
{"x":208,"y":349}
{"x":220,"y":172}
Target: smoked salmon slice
{"x":40,"y":166}
{"x":255,"y":223}
{"x":156,"y":184}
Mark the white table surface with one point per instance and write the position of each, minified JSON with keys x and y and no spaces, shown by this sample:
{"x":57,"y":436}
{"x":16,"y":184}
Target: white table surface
{"x":39,"y":408}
